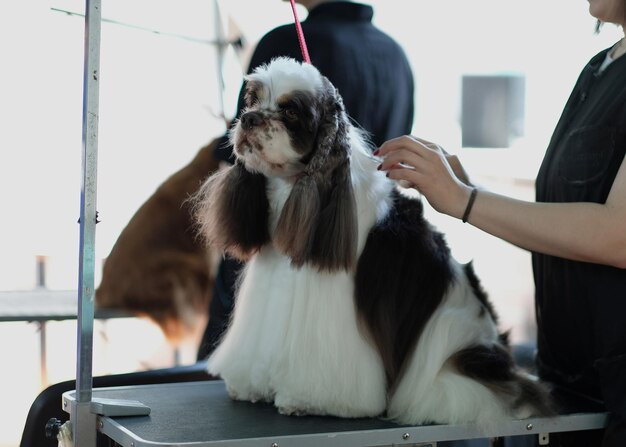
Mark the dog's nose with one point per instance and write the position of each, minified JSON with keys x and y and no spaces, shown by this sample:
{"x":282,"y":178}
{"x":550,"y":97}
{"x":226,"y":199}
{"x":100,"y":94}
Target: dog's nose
{"x":250,"y":120}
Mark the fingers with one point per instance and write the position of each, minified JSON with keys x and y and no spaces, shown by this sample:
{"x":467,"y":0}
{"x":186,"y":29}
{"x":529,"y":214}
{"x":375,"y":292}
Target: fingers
{"x":426,"y":167}
{"x":418,"y":160}
{"x":405,"y":142}
{"x":408,"y":178}
{"x":430,"y":144}
{"x":409,"y":151}
{"x":400,"y":158}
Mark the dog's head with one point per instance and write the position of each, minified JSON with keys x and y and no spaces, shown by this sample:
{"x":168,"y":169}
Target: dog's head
{"x":290,"y":109}
{"x":295,"y":127}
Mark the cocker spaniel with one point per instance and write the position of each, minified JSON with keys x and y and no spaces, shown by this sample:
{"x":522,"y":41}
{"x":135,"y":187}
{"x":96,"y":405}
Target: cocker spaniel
{"x":350,"y":303}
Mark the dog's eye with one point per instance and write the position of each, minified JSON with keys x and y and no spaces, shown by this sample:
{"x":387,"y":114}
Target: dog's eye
{"x":290,"y":113}
{"x":251,"y":98}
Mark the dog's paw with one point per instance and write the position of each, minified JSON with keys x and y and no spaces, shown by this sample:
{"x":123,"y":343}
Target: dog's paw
{"x":239,"y":394}
{"x":289,"y":406}
{"x":292,"y":411}
{"x":234,"y":394}
{"x":254,"y":398}
{"x":248,"y":396}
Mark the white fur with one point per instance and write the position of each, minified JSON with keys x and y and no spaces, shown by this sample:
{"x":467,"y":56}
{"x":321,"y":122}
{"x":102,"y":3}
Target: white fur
{"x":282,"y":77}
{"x":431,"y":389}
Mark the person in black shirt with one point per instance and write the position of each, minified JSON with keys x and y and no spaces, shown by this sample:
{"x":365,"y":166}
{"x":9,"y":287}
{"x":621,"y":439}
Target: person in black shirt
{"x":576,"y":231}
{"x":374,"y":78}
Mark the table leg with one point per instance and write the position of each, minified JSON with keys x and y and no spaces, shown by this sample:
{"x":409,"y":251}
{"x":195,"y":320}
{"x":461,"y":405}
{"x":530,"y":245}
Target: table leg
{"x":43,"y":362}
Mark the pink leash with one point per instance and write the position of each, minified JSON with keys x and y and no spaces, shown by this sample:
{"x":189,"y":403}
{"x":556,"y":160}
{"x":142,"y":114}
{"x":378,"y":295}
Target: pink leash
{"x":303,"y":48}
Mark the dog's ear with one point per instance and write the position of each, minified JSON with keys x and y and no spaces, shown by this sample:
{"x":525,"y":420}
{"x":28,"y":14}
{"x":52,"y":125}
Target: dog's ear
{"x":337,"y":231}
{"x":318,"y":222}
{"x":232,"y":210}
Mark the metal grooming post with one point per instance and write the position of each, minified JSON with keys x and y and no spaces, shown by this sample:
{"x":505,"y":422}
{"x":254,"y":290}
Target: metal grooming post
{"x":85,"y":410}
{"x":83,"y":419}
{"x":220,"y":47}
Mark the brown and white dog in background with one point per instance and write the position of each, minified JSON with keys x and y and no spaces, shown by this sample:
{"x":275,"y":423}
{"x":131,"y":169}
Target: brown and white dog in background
{"x":158,"y":268}
{"x":350,"y":303}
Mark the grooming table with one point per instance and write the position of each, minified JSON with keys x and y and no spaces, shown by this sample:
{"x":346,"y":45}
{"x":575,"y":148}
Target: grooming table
{"x":201,"y":414}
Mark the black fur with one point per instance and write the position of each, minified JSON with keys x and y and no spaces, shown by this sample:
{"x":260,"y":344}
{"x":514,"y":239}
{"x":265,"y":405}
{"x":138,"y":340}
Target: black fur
{"x":299,"y":113}
{"x":247,"y":202}
{"x":486,"y":364}
{"x":232,"y":211}
{"x":494,"y":367}
{"x":335,"y":236}
{"x":318,"y":223}
{"x":479,"y":291}
{"x":401,"y":278}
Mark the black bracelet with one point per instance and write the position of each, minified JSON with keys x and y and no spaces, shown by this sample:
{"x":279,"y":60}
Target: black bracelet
{"x":470,"y":203}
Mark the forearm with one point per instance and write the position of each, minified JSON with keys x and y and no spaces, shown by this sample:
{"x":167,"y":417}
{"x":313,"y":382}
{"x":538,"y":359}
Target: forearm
{"x":589,"y":232}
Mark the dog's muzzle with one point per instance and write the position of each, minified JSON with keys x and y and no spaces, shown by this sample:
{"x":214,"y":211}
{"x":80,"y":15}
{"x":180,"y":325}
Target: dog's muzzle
{"x":250,"y":120}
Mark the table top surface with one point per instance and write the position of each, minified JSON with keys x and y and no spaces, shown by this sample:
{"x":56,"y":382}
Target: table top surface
{"x":202,"y":414}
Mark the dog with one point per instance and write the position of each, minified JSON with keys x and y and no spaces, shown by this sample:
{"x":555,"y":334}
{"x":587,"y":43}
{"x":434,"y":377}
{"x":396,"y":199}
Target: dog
{"x":157,"y":267}
{"x":350,"y":303}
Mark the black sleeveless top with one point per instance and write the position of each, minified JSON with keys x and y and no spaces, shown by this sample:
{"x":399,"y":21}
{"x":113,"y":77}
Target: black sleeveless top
{"x":581,"y":307}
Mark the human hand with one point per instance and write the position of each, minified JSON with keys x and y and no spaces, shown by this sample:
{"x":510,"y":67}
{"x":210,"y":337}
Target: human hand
{"x":425,"y":166}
